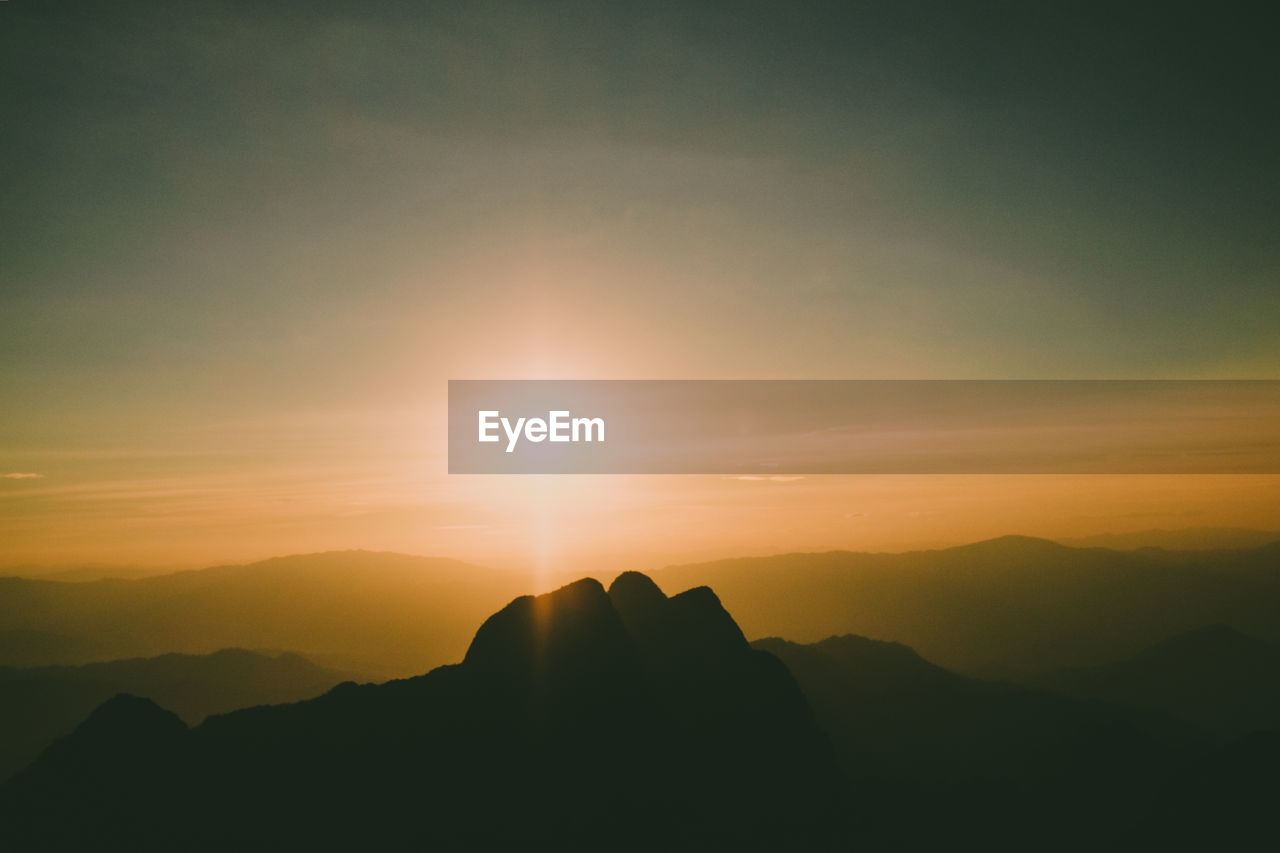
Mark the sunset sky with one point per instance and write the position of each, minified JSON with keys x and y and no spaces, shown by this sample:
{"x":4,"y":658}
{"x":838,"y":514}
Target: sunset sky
{"x":243,"y":249}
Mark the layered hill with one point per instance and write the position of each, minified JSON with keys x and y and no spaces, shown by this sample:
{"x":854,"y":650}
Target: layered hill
{"x":385,"y":614}
{"x":895,"y":715}
{"x":1006,"y":606}
{"x":1214,"y":677}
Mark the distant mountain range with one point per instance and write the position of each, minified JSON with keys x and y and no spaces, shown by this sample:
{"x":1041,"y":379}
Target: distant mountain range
{"x":1005,"y":607}
{"x":384,"y":614}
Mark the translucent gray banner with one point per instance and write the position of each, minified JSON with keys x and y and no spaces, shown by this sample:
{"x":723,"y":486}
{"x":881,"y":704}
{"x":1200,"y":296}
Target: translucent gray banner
{"x":864,"y":427}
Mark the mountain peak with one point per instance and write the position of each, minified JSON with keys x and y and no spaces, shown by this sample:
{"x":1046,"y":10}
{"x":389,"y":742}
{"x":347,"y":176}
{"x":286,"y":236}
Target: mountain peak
{"x":125,"y":715}
{"x":118,"y":735}
{"x":570,"y":630}
{"x":692,"y":625}
{"x":635,"y":592}
{"x":1014,"y":543}
{"x":559,"y":717}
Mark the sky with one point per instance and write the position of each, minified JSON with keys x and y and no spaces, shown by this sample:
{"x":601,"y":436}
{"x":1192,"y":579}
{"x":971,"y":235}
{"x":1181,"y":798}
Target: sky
{"x":243,"y":246}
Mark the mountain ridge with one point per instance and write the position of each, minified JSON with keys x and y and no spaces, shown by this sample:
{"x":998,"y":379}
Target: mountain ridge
{"x":555,"y":713}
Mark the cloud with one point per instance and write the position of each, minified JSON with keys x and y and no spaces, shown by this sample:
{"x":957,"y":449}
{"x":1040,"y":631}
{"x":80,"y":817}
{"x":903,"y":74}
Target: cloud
{"x":20,"y":475}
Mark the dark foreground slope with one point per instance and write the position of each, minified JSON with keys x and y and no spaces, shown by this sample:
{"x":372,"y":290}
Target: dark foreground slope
{"x":1215,"y":677}
{"x":578,"y":719}
{"x":939,"y":761}
{"x":894,"y":715}
{"x":1226,"y":801}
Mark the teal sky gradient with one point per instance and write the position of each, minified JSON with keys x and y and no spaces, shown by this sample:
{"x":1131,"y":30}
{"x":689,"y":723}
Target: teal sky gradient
{"x":263,"y":238}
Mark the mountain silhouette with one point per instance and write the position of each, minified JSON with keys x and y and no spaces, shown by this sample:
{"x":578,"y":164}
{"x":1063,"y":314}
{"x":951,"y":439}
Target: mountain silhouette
{"x":128,"y":748}
{"x":726,"y":694}
{"x":626,"y":719}
{"x":574,"y":721}
{"x":43,"y":703}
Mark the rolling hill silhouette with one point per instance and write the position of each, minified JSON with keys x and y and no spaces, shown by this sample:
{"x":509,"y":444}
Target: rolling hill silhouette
{"x":578,"y":719}
{"x":42,"y":703}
